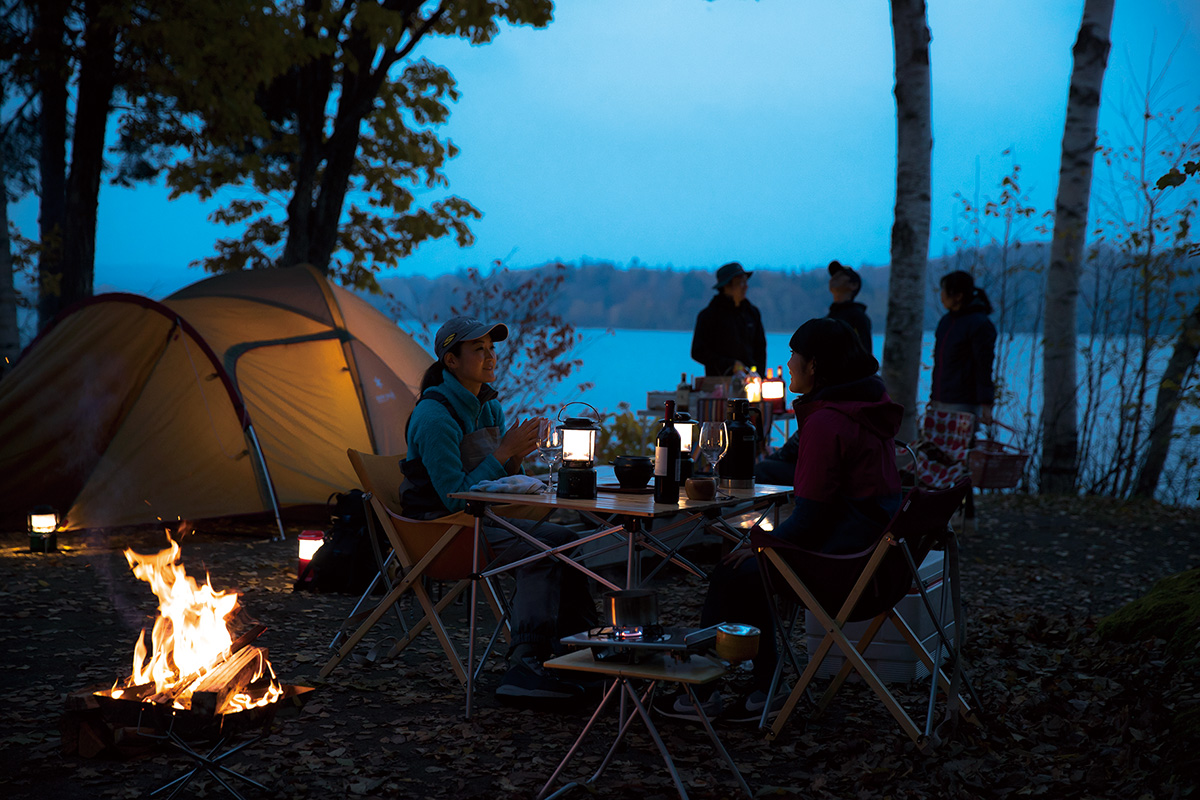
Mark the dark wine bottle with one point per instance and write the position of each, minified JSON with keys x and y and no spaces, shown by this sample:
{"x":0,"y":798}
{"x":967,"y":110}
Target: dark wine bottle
{"x":666,"y":459}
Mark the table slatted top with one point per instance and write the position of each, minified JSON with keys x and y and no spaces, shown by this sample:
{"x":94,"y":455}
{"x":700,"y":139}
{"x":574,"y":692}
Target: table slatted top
{"x":634,"y":505}
{"x":658,"y":667}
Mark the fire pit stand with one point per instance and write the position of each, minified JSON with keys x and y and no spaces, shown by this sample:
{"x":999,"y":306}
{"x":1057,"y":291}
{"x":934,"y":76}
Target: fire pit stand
{"x":185,"y":729}
{"x":209,"y":763}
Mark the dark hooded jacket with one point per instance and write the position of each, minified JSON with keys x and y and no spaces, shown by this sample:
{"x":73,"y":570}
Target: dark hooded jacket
{"x":846,"y":482}
{"x":854,"y":314}
{"x":964,"y":346}
{"x":726,"y":333}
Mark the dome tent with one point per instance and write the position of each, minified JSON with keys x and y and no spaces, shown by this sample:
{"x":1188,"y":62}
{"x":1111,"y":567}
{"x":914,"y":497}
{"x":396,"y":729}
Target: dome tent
{"x":238,"y":394}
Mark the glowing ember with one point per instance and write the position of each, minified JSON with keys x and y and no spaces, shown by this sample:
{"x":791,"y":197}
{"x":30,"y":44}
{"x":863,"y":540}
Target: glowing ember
{"x":192,"y":643}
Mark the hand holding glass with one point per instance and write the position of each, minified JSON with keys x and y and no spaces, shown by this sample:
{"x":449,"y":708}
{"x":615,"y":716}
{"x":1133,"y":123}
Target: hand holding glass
{"x":713,"y":441}
{"x":550,"y":447}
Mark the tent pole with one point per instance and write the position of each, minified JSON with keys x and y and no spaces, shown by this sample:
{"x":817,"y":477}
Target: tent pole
{"x":267,"y":477}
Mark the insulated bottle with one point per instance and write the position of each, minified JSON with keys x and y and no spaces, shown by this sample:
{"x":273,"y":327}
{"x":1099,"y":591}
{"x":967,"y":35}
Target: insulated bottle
{"x":736,"y":467}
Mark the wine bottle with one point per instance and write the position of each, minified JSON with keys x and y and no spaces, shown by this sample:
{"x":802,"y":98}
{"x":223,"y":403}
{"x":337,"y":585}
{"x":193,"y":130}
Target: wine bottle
{"x":683,"y":393}
{"x":666,"y":459}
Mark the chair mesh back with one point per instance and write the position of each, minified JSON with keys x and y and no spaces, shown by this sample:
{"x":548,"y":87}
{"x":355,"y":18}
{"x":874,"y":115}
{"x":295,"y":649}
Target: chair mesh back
{"x":922,"y":520}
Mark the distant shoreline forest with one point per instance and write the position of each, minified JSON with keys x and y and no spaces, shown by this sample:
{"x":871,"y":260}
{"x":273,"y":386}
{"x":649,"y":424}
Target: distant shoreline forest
{"x":605,"y":295}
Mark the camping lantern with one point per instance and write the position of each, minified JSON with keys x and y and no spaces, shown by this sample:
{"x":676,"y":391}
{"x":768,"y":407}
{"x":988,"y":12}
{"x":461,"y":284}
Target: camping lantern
{"x":43,"y":530}
{"x":688,"y":436}
{"x":754,"y":386}
{"x":577,"y":478}
{"x":773,"y":392}
{"x":309,"y":543}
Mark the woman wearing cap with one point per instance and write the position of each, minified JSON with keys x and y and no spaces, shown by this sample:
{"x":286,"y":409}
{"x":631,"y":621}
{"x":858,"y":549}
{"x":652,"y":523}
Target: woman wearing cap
{"x":846,"y":487}
{"x":456,"y":438}
{"x":964,"y":348}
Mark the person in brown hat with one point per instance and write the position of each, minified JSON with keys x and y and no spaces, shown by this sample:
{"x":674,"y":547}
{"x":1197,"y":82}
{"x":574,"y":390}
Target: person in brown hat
{"x":844,"y":285}
{"x":729,"y":330}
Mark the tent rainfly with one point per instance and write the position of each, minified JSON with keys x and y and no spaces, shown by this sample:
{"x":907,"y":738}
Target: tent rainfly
{"x":238,"y":394}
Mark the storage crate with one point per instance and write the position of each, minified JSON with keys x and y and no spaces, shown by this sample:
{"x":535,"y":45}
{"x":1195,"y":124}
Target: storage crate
{"x":888,"y":654}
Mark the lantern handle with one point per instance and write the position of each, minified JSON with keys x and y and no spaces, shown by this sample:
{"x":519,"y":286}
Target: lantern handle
{"x":599,"y":419}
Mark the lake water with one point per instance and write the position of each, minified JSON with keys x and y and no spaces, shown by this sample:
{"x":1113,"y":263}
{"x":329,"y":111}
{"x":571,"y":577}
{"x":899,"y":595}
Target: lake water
{"x":625,"y":364}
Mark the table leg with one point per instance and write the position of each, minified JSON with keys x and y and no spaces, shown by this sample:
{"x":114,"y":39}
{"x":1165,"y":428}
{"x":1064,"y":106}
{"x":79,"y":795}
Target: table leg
{"x":578,"y":741}
{"x":662,"y":747}
{"x":712,"y":734}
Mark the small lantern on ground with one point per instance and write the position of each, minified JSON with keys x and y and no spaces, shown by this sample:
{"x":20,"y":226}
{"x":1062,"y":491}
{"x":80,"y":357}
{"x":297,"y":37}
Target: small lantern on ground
{"x":689,"y":435}
{"x":309,"y":543}
{"x":43,"y":530}
{"x":577,"y":478}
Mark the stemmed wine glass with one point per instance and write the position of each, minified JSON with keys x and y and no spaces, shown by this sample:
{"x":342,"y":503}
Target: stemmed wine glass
{"x":549,"y":447}
{"x":714,"y":439}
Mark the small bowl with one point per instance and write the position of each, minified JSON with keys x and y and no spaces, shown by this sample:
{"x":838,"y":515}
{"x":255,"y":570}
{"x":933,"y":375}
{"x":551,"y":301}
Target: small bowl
{"x":700,"y":488}
{"x":633,"y":472}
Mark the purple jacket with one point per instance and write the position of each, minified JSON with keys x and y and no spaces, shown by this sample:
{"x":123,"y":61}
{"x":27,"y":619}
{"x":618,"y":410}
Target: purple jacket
{"x":846,"y":482}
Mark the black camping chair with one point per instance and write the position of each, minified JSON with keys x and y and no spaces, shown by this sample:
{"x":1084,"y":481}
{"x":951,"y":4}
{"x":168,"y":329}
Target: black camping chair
{"x":866,"y":586}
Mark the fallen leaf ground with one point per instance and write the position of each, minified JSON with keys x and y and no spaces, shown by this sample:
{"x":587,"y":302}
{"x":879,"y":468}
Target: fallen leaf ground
{"x":1067,"y":715}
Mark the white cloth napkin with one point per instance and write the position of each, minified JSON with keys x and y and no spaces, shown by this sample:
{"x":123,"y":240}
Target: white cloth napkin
{"x":511,"y":484}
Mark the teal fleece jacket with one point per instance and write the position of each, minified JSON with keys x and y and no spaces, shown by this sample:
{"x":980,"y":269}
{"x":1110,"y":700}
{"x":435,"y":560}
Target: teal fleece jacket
{"x":435,"y":438}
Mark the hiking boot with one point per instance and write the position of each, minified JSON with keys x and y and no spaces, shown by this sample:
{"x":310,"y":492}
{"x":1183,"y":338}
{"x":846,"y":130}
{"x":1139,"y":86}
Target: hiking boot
{"x":679,"y":706}
{"x":750,"y":707}
{"x":528,"y":682}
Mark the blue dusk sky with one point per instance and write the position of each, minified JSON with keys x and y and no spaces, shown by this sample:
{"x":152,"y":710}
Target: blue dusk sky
{"x":685,"y":133}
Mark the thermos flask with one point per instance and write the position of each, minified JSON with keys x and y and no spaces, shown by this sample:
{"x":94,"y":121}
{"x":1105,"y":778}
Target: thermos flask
{"x":736,"y":467}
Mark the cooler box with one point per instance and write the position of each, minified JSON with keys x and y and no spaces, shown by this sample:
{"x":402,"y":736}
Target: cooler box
{"x":888,"y":654}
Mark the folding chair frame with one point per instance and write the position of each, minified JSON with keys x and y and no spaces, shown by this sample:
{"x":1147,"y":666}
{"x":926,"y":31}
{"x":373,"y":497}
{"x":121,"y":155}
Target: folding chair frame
{"x":951,"y":682}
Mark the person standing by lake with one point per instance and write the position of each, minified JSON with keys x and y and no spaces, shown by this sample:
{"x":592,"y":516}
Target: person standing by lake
{"x":844,"y":285}
{"x":729,"y":329}
{"x":964,"y":349}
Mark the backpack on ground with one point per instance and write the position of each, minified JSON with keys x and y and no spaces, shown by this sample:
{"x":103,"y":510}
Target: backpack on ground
{"x":345,"y":562}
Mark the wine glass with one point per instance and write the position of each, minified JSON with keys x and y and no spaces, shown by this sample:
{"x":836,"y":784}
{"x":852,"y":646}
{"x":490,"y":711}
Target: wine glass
{"x":549,"y":447}
{"x":714,"y":439}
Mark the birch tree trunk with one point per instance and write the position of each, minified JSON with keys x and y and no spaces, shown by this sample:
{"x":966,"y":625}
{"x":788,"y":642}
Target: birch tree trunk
{"x":1060,"y":465}
{"x":910,"y":230}
{"x":1187,"y":349}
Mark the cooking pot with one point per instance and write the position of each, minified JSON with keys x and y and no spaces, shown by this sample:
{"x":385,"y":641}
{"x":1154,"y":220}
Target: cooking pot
{"x":633,"y":472}
{"x":737,"y":642}
{"x":631,"y":608}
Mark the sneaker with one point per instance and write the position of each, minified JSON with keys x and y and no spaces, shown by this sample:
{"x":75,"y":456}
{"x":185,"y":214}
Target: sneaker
{"x":679,"y":706}
{"x":528,"y":680}
{"x":750,"y":707}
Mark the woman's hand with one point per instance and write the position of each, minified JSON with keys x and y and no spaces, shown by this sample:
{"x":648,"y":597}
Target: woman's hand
{"x":518,"y":441}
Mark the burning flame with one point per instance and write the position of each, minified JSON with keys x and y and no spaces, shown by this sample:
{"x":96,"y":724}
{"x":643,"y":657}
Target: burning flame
{"x":190,"y":636}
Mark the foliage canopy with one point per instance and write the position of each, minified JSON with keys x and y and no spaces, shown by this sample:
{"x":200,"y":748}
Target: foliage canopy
{"x":315,"y":121}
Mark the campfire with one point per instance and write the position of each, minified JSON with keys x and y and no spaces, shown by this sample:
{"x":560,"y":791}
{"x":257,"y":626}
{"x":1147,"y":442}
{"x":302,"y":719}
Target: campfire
{"x":194,"y":661}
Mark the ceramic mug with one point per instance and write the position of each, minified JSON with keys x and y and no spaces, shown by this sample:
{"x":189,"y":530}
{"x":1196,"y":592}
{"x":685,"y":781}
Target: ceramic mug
{"x":700,"y":488}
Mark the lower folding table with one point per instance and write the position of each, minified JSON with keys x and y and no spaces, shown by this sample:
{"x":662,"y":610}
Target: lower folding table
{"x":659,"y":667}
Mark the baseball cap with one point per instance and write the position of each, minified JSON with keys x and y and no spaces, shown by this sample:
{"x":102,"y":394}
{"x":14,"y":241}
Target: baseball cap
{"x":462,"y":329}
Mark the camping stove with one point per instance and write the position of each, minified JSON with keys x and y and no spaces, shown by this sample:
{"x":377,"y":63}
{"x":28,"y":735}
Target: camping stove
{"x":633,"y":645}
